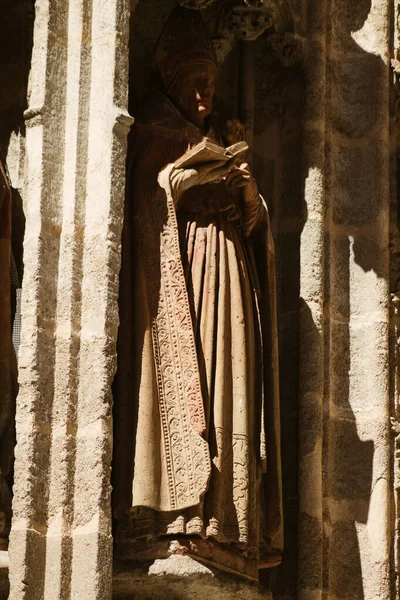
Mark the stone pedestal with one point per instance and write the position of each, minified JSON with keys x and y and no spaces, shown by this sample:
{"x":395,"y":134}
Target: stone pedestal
{"x":181,"y":578}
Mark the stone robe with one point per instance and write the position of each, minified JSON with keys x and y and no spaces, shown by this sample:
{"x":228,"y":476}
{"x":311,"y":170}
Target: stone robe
{"x":196,"y":396}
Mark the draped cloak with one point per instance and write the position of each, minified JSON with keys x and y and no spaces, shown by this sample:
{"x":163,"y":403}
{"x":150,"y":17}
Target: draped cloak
{"x":196,"y":415}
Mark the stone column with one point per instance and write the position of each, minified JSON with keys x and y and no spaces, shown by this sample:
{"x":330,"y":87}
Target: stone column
{"x":312,"y":293}
{"x":77,"y":123}
{"x":344,"y":430}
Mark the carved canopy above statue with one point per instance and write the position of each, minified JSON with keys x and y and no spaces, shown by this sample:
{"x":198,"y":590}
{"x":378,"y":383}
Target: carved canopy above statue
{"x":247,"y":19}
{"x":281,"y":11}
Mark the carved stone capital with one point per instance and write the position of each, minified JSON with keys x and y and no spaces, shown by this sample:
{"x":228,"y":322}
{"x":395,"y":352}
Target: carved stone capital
{"x":248,"y":19}
{"x":242,"y":23}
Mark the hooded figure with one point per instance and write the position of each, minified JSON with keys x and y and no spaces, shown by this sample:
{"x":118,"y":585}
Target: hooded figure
{"x":196,"y":416}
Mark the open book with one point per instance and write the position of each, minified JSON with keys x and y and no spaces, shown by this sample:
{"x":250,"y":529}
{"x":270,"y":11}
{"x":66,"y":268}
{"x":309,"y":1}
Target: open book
{"x":207,"y":151}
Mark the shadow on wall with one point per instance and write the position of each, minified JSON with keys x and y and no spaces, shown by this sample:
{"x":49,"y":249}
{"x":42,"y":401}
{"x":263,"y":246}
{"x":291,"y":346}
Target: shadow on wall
{"x":356,"y":192}
{"x":346,"y":466}
{"x":360,"y":168}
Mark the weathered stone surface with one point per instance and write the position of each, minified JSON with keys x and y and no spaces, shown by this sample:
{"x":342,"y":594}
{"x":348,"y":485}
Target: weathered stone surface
{"x":351,"y":463}
{"x":344,"y":322}
{"x":360,"y":28}
{"x":314,"y":76}
{"x":309,"y":579}
{"x":76,"y":146}
{"x":182,"y":578}
{"x":361,"y":183}
{"x":352,"y":83}
{"x":313,"y":243}
{"x":315,"y":18}
{"x":357,"y":260}
{"x":346,"y":579}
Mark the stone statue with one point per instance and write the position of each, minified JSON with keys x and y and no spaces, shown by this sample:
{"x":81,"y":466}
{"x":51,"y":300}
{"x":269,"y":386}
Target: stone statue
{"x":196,"y":392}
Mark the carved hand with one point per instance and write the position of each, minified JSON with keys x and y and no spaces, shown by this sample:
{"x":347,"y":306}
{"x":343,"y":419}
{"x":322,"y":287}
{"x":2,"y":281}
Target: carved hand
{"x":241,"y":177}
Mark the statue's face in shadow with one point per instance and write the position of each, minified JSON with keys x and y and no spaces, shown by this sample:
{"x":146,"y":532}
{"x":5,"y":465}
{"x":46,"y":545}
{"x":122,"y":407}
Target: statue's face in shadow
{"x":193,"y":92}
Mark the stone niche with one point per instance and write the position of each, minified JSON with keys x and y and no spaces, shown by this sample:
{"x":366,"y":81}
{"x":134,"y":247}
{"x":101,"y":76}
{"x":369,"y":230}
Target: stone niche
{"x":260,"y":82}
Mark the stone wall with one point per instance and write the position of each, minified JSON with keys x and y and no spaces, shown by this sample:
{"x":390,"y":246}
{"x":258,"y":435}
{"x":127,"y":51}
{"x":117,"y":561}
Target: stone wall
{"x":344,"y":444}
{"x":326,"y":159}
